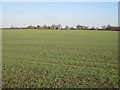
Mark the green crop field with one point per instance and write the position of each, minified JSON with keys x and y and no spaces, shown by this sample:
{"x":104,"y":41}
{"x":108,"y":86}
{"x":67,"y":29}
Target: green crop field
{"x":59,"y":58}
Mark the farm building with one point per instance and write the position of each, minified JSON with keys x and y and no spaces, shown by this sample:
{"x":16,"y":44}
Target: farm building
{"x":30,"y":27}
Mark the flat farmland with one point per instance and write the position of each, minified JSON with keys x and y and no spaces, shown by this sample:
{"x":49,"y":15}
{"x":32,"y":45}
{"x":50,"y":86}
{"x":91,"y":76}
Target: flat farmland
{"x":59,"y":59}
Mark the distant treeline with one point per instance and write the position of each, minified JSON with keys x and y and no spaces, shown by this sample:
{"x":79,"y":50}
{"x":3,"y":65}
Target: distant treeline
{"x":78,"y":27}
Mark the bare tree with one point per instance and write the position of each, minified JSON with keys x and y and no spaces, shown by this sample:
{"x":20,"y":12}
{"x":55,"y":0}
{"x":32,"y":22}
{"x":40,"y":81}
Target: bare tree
{"x":59,"y":26}
{"x":67,"y":28}
{"x":53,"y":26}
{"x":108,"y":27}
{"x":103,"y":27}
{"x":44,"y":26}
{"x":79,"y":27}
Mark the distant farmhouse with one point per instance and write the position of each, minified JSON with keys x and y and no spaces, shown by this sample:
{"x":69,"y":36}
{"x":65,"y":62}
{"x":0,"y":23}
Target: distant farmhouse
{"x":30,"y":27}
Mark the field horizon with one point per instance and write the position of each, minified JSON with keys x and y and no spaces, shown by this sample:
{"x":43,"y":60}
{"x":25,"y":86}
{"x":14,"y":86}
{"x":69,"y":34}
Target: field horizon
{"x":59,"y":44}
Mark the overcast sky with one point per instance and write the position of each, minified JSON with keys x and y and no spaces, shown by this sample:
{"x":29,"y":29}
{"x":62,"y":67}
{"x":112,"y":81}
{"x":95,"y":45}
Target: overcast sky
{"x":65,"y":13}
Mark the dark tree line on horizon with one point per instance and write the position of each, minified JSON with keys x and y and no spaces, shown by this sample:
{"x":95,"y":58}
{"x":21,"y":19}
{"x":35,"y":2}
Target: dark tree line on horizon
{"x":78,"y":27}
